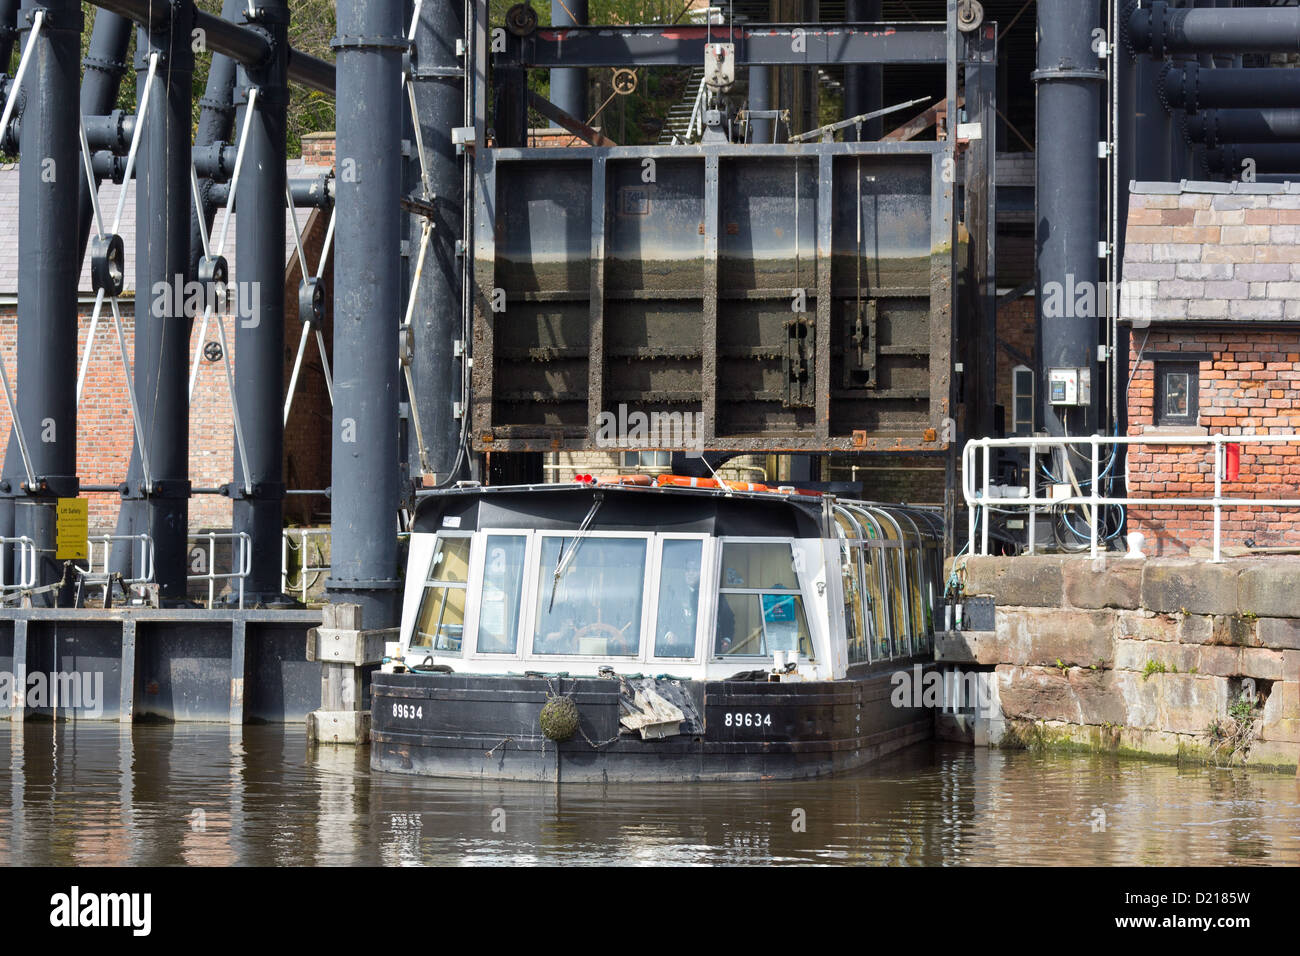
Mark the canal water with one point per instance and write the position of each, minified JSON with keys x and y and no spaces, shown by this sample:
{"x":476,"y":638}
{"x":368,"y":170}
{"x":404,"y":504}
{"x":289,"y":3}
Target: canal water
{"x":97,"y":794}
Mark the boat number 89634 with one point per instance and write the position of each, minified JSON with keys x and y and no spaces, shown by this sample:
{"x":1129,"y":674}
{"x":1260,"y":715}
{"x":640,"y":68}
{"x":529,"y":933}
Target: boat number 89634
{"x":748,"y":720}
{"x":410,"y":711}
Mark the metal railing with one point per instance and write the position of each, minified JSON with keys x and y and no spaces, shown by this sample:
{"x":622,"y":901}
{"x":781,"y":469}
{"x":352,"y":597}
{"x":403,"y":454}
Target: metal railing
{"x":103,"y":577}
{"x":243,"y":562}
{"x":26,"y":564}
{"x":697,"y":114}
{"x":977,"y":482}
{"x":304,"y":536}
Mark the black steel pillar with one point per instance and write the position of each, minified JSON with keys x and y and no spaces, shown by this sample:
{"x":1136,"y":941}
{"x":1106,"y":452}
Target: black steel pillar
{"x":105,"y":64}
{"x":438,"y":85}
{"x":569,"y":87}
{"x":1070,"y":88}
{"x":216,"y":123}
{"x":367,"y":310}
{"x":259,"y":323}
{"x":162,"y":327}
{"x":47,"y":273}
{"x":8,"y":32}
{"x":760,"y":98}
{"x":863,"y":91}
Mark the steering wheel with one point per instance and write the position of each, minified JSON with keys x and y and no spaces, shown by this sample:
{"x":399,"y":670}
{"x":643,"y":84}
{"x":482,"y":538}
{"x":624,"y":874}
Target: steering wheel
{"x":599,"y":629}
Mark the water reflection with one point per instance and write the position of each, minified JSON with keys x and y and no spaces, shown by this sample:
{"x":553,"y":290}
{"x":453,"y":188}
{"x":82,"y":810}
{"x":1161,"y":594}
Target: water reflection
{"x":97,"y":793}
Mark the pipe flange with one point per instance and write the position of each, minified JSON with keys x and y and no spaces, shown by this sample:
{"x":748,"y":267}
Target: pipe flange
{"x":970,"y":14}
{"x":107,"y":264}
{"x":380,"y":42}
{"x":1159,"y":24}
{"x":311,"y":301}
{"x":521,"y":19}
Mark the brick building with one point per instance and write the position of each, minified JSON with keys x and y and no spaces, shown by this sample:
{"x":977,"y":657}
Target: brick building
{"x":1212,"y":273}
{"x":104,"y":428}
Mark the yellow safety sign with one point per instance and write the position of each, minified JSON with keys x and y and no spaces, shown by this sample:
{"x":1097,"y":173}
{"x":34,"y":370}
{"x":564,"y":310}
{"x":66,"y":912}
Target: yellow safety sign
{"x":73,"y":529}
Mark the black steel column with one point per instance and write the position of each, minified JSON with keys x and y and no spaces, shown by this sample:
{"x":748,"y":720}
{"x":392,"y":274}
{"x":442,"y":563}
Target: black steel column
{"x":760,"y":98}
{"x":367,"y":310}
{"x":8,"y":32}
{"x":1070,"y":88}
{"x":216,"y":123}
{"x":437,"y":81}
{"x":162,"y":328}
{"x":105,"y":66}
{"x":569,"y":87}
{"x":47,"y":272}
{"x":259,"y":322}
{"x":863,"y":91}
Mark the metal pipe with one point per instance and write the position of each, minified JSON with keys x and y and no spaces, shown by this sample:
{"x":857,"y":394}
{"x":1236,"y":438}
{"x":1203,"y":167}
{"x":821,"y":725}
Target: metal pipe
{"x":248,"y":47}
{"x":105,"y":64}
{"x":47,"y":273}
{"x":1220,"y":127}
{"x":1159,"y":30}
{"x":259,"y":332}
{"x":8,"y":34}
{"x":1188,"y":87}
{"x":367,"y":303}
{"x":163,"y":265}
{"x":437,"y":94}
{"x":315,"y":193}
{"x":569,"y":87}
{"x":1269,"y":158}
{"x":216,"y":124}
{"x":760,"y":98}
{"x":1070,"y":88}
{"x":863,"y":85}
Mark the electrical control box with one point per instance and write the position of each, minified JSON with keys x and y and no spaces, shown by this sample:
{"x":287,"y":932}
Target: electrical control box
{"x":1069,"y":386}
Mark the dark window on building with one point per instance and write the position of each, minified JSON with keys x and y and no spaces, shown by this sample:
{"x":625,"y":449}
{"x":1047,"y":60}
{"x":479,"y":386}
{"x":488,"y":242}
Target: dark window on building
{"x":1177,"y":392}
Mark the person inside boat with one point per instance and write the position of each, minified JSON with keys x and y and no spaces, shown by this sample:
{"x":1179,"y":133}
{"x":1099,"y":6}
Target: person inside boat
{"x":679,"y":606}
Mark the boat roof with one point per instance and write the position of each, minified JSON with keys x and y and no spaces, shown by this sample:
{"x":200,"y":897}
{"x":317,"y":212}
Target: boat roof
{"x":624,"y":507}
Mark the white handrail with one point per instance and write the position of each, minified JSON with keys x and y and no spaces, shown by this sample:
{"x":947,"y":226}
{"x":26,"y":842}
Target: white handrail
{"x":979,"y":501}
{"x":286,"y":544}
{"x":27,"y":557}
{"x":108,"y":540}
{"x":243,"y":562}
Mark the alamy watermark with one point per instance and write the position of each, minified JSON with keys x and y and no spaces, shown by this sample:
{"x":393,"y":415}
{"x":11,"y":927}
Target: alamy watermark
{"x":633,"y":431}
{"x":1135,"y":299}
{"x":83,"y":692}
{"x":947,"y":690}
{"x":194,"y":298}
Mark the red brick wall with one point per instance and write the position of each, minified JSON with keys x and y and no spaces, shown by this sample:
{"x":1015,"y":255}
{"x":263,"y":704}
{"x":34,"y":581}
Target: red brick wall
{"x":105,"y":435}
{"x":1016,"y":328}
{"x":1251,"y":384}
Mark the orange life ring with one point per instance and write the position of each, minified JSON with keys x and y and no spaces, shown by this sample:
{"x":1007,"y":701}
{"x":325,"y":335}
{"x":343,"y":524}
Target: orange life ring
{"x":680,"y":481}
{"x":644,"y":480}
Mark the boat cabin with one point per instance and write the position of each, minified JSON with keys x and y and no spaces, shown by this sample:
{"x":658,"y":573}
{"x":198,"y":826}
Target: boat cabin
{"x":701,"y":584}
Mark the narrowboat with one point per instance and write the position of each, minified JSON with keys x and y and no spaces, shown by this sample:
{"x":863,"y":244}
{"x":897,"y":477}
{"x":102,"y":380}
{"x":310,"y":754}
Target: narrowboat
{"x":621,"y":630}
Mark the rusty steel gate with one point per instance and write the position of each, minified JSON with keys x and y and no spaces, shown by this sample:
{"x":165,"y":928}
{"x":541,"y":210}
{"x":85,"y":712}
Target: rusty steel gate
{"x":784,"y":297}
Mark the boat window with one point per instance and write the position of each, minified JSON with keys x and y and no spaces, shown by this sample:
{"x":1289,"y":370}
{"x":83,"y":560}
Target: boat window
{"x":594,"y":609}
{"x":855,"y":626}
{"x":760,"y":609}
{"x":871,"y":569}
{"x":440,"y":623}
{"x":679,"y":598}
{"x":503,"y":585}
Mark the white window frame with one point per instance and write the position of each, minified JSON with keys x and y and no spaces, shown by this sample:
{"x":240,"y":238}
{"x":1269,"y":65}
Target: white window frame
{"x":804,"y":593}
{"x":645,"y":536}
{"x":425,"y":584}
{"x":477,"y":569}
{"x":708,"y":545}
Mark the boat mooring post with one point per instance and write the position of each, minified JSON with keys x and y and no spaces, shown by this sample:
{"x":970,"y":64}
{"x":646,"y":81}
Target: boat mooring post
{"x":367,"y":317}
{"x":49,"y":163}
{"x":258,"y":503}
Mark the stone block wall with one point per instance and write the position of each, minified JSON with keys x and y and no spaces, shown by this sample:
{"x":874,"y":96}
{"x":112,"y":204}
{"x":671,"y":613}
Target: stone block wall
{"x":1141,"y":657}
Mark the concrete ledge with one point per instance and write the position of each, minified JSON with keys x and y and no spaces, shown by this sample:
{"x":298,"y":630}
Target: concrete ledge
{"x":1190,"y":587}
{"x":1103,"y":583}
{"x":1026,"y":581}
{"x":347,"y":646}
{"x":1270,"y":590}
{"x":339,"y":726}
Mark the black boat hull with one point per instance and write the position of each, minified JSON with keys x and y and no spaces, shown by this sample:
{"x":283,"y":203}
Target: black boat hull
{"x":470,"y":726}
